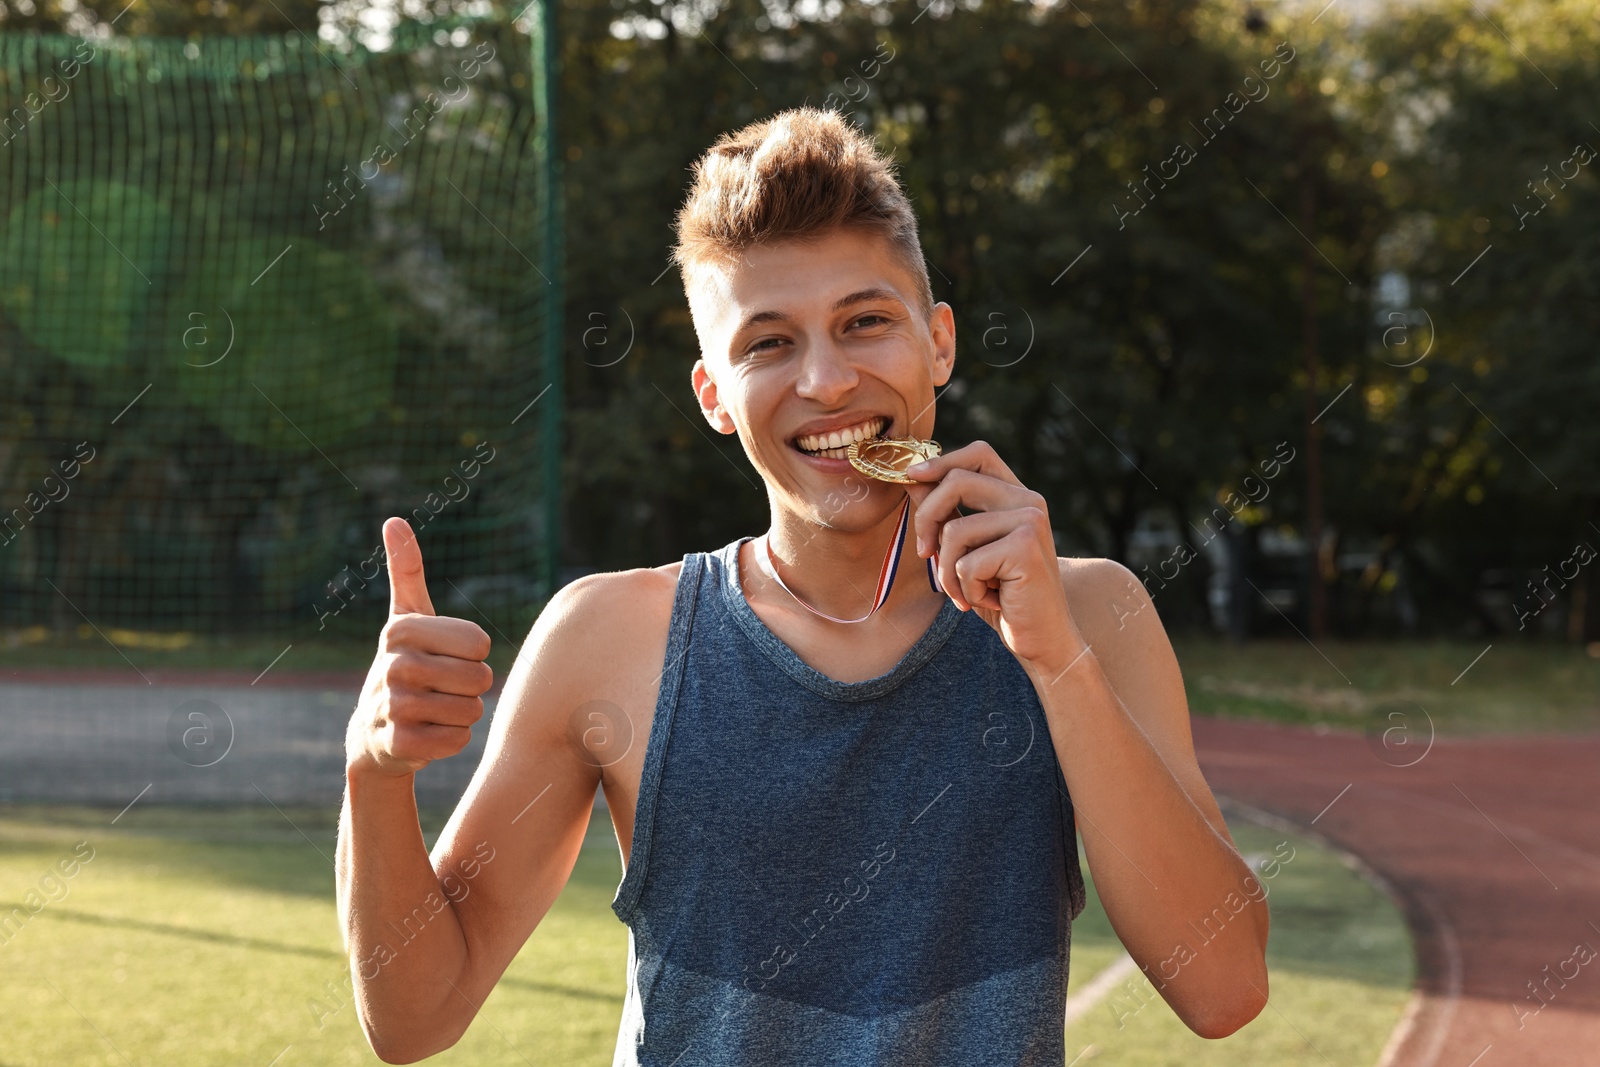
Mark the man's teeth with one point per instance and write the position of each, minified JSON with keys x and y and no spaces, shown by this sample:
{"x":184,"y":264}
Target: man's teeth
{"x":833,"y":445}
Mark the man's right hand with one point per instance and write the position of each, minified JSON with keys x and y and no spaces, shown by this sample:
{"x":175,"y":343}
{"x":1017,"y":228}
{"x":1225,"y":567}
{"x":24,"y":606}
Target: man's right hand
{"x":426,"y":684}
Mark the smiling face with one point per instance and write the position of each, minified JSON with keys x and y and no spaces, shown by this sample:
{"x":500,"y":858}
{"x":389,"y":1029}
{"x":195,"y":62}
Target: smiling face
{"x":801,"y":339}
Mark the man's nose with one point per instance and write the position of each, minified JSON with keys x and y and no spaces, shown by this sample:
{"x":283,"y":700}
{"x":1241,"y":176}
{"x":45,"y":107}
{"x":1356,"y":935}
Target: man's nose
{"x":826,"y":373}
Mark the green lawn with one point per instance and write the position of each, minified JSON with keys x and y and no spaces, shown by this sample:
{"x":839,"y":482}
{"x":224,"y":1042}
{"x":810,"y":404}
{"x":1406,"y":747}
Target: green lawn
{"x":346,"y":643}
{"x":1514,"y":687}
{"x":204,"y":937}
{"x":1339,"y":958}
{"x":198,"y":937}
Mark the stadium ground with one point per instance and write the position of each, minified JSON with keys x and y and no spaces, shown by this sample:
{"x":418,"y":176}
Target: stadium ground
{"x":1488,"y":842}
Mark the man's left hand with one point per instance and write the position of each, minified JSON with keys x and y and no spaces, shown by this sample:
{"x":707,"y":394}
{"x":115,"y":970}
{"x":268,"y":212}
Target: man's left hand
{"x":999,"y":561}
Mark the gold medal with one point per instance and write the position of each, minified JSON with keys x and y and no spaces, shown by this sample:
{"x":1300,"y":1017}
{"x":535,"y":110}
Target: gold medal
{"x":886,"y":459}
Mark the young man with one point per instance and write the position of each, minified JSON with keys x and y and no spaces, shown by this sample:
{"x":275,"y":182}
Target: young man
{"x":845,"y":799}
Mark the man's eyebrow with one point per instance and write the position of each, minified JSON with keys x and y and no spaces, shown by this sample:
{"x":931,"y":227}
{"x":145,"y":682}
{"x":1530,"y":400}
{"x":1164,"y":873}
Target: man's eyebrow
{"x":858,"y":297}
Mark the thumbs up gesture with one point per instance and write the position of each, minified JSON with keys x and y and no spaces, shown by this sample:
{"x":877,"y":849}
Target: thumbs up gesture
{"x":425,"y":689}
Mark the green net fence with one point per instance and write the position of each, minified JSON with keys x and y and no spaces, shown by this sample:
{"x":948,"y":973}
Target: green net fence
{"x":256,"y":295}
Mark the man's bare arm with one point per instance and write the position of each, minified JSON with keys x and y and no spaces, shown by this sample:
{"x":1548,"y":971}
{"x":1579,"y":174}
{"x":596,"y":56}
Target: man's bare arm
{"x":428,"y":937}
{"x":1178,"y":894}
{"x":1119,"y":723}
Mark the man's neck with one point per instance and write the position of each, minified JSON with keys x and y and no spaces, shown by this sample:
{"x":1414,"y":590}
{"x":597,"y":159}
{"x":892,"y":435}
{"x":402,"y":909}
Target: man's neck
{"x":836,"y":571}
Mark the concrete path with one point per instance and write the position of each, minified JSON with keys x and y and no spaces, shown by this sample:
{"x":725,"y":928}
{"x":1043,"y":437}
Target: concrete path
{"x":91,"y":737}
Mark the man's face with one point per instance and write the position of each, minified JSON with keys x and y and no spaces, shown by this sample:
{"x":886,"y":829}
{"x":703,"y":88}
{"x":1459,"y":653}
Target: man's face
{"x":803,"y":338}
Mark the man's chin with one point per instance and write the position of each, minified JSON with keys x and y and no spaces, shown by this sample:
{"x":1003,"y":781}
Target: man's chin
{"x":821,"y":488}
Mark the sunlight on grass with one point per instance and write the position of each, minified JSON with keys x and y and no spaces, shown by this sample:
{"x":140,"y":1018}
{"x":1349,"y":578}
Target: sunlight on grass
{"x":1339,"y":958}
{"x":217,"y":942}
{"x":1513,"y":687}
{"x":210,"y":936}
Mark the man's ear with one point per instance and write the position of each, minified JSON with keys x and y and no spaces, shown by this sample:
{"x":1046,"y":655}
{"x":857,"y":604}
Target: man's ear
{"x":942,"y":328}
{"x":705,"y":390}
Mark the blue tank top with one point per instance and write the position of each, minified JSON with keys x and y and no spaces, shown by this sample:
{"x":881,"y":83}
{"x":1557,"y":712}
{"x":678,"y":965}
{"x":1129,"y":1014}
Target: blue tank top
{"x":854,"y":873}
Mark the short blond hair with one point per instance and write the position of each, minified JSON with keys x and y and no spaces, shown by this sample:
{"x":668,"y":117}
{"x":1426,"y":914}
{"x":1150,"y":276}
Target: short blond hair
{"x":798,"y":175}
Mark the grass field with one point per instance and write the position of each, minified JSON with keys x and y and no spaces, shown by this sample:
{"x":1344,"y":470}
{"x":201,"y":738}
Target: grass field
{"x":343,"y":646}
{"x":346,"y":644}
{"x":1515,"y":686}
{"x":205,"y":937}
{"x":1339,"y":957}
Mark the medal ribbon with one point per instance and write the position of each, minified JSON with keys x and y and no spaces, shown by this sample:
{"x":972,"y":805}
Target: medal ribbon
{"x":886,"y":573}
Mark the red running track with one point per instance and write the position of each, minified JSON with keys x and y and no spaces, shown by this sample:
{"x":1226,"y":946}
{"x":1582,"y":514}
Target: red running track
{"x":1493,"y":845}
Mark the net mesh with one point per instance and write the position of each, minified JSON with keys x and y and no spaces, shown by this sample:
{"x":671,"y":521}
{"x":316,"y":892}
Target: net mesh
{"x":255,"y":296}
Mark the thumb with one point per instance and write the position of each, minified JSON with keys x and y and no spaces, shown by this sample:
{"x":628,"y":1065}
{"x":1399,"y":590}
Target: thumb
{"x":408,"y":589}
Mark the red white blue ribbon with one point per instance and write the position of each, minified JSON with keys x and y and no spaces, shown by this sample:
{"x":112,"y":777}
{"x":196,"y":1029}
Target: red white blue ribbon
{"x":886,"y":573}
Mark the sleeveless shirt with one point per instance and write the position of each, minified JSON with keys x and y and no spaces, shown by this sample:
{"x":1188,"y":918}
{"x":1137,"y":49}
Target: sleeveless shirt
{"x":854,"y":873}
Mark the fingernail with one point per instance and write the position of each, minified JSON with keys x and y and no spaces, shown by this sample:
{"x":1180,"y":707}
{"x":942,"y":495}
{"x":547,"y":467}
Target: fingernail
{"x":917,"y":468}
{"x":922,"y":546}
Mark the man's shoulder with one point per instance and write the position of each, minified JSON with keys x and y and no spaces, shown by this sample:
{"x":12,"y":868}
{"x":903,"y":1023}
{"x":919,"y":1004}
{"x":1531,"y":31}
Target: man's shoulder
{"x":602,"y":634}
{"x":615,"y":597}
{"x":1093,"y":573}
{"x":1109,"y":604}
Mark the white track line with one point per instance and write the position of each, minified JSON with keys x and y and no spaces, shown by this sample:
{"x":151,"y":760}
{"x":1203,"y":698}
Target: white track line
{"x":1101,"y":984}
{"x":1120,"y":969}
{"x":1449,"y":943}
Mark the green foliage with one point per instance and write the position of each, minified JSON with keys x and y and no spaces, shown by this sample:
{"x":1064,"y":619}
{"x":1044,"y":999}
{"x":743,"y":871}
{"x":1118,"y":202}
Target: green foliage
{"x":1128,"y":207}
{"x":1158,"y":369}
{"x":278,"y":296}
{"x":159,"y":18}
{"x":1170,"y":357}
{"x":1482,"y":454}
{"x":65,"y":264}
{"x":321,"y":313}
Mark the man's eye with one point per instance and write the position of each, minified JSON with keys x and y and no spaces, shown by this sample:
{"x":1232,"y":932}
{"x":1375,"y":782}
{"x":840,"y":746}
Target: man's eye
{"x":869,"y":318}
{"x":759,"y":345}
